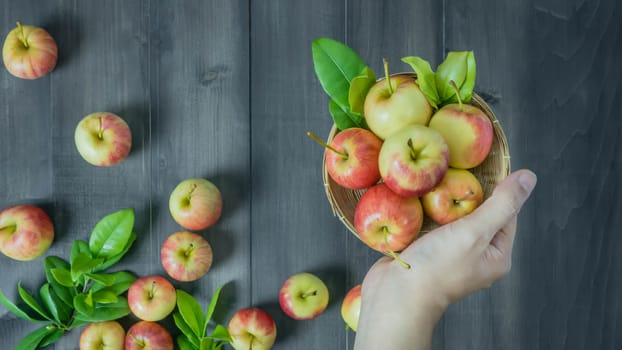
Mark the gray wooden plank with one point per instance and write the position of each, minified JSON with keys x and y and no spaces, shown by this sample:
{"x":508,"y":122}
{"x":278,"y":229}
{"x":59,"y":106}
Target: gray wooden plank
{"x":550,"y":69}
{"x":200,"y":128}
{"x":293,"y":229}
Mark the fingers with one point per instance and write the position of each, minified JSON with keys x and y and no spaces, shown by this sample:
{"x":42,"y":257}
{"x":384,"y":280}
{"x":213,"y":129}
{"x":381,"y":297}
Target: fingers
{"x":504,"y":239}
{"x":504,"y":204}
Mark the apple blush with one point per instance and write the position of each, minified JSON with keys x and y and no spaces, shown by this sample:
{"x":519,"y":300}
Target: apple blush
{"x":29,"y":52}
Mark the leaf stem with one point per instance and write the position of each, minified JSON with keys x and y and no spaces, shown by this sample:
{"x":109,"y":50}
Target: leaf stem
{"x":318,"y":140}
{"x":386,"y":75}
{"x":391,"y":252}
{"x":455,"y":87}
{"x":20,"y":28}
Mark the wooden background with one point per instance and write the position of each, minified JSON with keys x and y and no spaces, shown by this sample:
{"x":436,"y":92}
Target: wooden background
{"x":226,"y":90}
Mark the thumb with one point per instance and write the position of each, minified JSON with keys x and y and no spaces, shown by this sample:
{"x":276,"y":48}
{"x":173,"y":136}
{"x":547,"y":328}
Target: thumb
{"x":504,"y":204}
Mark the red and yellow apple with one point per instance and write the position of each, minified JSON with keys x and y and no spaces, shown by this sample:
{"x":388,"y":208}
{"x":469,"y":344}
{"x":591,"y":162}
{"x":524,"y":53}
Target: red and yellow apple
{"x":108,"y":335}
{"x":456,"y":196}
{"x":303,"y":296}
{"x":413,"y":160}
{"x":146,"y":335}
{"x":26,"y":232}
{"x":467,"y":131}
{"x":252,"y":329}
{"x":195,"y":204}
{"x":351,"y":307}
{"x":151,"y":298}
{"x":29,"y":52}
{"x":103,"y":139}
{"x":352,"y":158}
{"x":386,"y":221}
{"x":390,"y":107}
{"x":186,"y":256}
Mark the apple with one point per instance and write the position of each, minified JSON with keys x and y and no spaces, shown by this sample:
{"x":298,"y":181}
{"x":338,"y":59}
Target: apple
{"x":151,"y":298}
{"x":29,"y":52}
{"x":195,"y":204}
{"x":186,"y":256}
{"x":394,"y":102}
{"x":386,"y":221}
{"x":468,"y":132}
{"x":252,"y":329}
{"x":413,"y":161}
{"x":103,"y":139}
{"x":352,"y":158}
{"x":26,"y":232}
{"x":303,"y":296}
{"x":146,"y":335}
{"x":351,"y":307}
{"x":456,"y":196}
{"x":108,"y":335}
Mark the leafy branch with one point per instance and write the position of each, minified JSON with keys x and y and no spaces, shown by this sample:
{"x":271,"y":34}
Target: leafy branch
{"x":79,"y":292}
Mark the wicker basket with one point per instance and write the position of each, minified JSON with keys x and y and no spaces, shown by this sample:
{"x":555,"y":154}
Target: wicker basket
{"x":494,"y":169}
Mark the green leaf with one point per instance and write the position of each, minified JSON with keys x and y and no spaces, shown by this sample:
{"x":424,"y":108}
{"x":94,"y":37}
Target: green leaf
{"x":212,"y":306}
{"x":105,"y":297}
{"x":185,"y":329}
{"x":102,"y":278}
{"x":16,"y":310}
{"x":56,"y":307}
{"x":425,"y":78}
{"x":62,"y":276}
{"x":453,"y":68}
{"x":78,"y":323}
{"x":114,"y":259}
{"x":466,"y":91}
{"x":341,"y":118}
{"x":190,"y":311}
{"x":52,"y":338}
{"x":65,"y":293}
{"x":184,"y":343}
{"x":32,"y":302}
{"x":359,"y":87}
{"x":32,"y":340}
{"x":219,"y":346}
{"x":79,"y":247}
{"x":206,"y":344}
{"x":100,"y":312}
{"x":122,"y":282}
{"x":111,"y":234}
{"x":221,"y":334}
{"x":82,"y":306}
{"x":335,"y":66}
{"x":82,"y":264}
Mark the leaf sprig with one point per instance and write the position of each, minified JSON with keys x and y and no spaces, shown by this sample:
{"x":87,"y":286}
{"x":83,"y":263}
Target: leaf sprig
{"x":78,"y":292}
{"x":193,"y":324}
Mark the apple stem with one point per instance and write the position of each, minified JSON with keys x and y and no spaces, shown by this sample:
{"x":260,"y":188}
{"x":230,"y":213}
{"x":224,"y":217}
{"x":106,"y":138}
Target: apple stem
{"x":189,"y":250}
{"x":100,"y":134}
{"x":10,"y":229}
{"x":194,"y":187}
{"x":466,"y":195}
{"x":318,"y":140}
{"x":308,"y":294}
{"x":21,"y":32}
{"x":152,"y":291}
{"x":140,"y":343}
{"x":455,"y":87}
{"x":391,"y":252}
{"x":386,"y":75}
{"x":413,"y":153}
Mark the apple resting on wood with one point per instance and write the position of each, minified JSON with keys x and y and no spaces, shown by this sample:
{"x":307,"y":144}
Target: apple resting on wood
{"x":151,"y":298}
{"x":456,"y":196}
{"x":108,"y":335}
{"x":186,"y":256}
{"x":303,"y":296}
{"x":351,"y":307}
{"x":103,"y":139}
{"x":148,"y":335}
{"x":26,"y":232}
{"x":29,"y":52}
{"x":195,"y":204}
{"x":252,"y":329}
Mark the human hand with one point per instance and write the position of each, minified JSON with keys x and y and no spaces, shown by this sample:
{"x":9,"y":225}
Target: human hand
{"x":447,"y":264}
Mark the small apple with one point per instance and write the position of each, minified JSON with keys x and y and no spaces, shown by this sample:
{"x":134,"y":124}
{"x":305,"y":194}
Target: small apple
{"x":107,"y":335}
{"x":186,"y":256}
{"x":103,"y":139}
{"x":146,"y":335}
{"x":252,"y":329}
{"x":303,"y":296}
{"x":414,"y":160}
{"x":456,"y":196}
{"x":352,"y":158}
{"x":29,"y":52}
{"x":26,"y":232}
{"x":394,"y":102}
{"x":151,"y":298}
{"x":468,"y":132}
{"x":195,"y":204}
{"x":386,"y":221}
{"x":351,"y":307}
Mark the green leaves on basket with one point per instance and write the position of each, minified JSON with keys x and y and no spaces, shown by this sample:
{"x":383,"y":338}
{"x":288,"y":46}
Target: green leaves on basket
{"x":345,"y":78}
{"x":193,"y":324}
{"x":458,"y":67}
{"x":77,"y":292}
